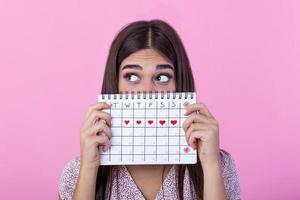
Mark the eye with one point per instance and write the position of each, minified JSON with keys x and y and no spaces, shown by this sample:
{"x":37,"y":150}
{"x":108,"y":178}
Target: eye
{"x":131,"y":77}
{"x":163,"y":78}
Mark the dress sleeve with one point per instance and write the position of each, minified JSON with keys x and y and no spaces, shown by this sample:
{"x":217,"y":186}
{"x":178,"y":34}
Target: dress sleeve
{"x":68,"y":179}
{"x":230,"y":176}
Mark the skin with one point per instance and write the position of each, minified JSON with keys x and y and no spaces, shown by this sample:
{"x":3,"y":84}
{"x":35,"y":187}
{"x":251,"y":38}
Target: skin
{"x":201,"y":131}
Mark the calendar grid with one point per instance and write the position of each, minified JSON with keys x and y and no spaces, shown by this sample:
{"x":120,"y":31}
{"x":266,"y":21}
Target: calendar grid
{"x":147,"y":130}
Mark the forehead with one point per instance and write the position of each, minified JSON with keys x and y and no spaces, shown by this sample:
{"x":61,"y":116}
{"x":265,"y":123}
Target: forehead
{"x":146,"y":56}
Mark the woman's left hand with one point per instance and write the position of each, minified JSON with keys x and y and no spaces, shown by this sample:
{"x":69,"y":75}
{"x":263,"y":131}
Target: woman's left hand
{"x":202,"y":132}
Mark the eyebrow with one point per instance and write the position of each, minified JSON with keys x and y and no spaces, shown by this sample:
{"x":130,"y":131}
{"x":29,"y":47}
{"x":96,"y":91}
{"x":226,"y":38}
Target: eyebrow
{"x":135,"y":66}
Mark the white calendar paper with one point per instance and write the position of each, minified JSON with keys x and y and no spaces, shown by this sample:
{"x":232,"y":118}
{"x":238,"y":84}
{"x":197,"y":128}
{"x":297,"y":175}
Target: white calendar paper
{"x":147,"y":128}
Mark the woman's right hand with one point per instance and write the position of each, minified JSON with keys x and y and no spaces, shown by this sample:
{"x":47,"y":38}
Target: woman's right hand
{"x":96,"y":122}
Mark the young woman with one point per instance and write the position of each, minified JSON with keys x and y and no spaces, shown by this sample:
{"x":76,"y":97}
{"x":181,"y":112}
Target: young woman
{"x":149,"y":56}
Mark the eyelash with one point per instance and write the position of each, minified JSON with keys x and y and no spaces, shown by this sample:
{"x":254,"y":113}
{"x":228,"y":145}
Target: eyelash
{"x":127,"y":75}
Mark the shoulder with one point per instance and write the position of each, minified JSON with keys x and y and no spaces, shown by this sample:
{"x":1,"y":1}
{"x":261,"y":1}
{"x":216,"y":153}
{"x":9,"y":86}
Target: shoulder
{"x":68,"y":178}
{"x":230,"y":175}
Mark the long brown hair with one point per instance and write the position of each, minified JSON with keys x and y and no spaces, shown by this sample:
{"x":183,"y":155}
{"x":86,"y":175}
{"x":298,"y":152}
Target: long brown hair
{"x":158,"y":35}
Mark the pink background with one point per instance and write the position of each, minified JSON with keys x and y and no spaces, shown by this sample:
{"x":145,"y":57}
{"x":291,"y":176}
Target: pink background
{"x":245,"y":55}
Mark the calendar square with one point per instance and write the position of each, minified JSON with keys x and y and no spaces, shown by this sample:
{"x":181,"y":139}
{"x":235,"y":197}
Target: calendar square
{"x":105,"y":158}
{"x":174,"y":150}
{"x":127,"y":158}
{"x":127,"y":131}
{"x":117,"y":122}
{"x":151,"y":132}
{"x":150,"y":141}
{"x":162,"y":113}
{"x":127,"y":150}
{"x":174,"y":140}
{"x":127,"y":122}
{"x":139,"y":158}
{"x":164,"y":158}
{"x":127,"y":141}
{"x":174,"y":122}
{"x":150,"y":122}
{"x":151,"y":113}
{"x":139,"y":113}
{"x":150,"y":150}
{"x":150,"y":158}
{"x":117,"y":140}
{"x":116,"y":158}
{"x":162,"y":132}
{"x":139,"y":141}
{"x":117,"y":150}
{"x":139,"y":150}
{"x":162,"y":150}
{"x":174,"y":112}
{"x":174,"y":131}
{"x":116,"y":113}
{"x":127,"y":114}
{"x":163,"y":141}
{"x":139,"y":122}
{"x":174,"y":158}
{"x":139,"y":131}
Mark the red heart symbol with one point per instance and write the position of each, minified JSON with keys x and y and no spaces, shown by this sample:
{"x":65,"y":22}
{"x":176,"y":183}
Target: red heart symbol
{"x":126,"y":121}
{"x":138,"y":121}
{"x":150,"y":121}
{"x":173,"y":122}
{"x":162,"y":122}
{"x":186,"y":149}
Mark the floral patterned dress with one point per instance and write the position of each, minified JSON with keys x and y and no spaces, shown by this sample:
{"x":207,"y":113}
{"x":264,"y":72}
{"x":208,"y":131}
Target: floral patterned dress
{"x":124,"y":187}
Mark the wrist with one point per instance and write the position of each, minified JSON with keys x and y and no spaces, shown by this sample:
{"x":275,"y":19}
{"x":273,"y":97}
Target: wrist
{"x":211,"y":163}
{"x":89,"y":170}
{"x":88,"y":165}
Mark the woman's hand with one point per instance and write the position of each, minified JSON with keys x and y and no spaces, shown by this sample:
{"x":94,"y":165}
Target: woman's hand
{"x":202,"y":132}
{"x":95,"y":122}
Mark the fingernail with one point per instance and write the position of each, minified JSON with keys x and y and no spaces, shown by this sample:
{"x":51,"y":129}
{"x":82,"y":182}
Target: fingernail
{"x":186,"y":103}
{"x":185,"y":112}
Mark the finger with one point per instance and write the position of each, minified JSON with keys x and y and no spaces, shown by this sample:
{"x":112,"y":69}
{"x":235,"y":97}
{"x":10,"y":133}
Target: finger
{"x":99,"y":128}
{"x":96,"y":115}
{"x":97,"y":106}
{"x":195,"y":127}
{"x":101,"y":140}
{"x":195,"y":118}
{"x":198,"y":107}
{"x":195,"y":138}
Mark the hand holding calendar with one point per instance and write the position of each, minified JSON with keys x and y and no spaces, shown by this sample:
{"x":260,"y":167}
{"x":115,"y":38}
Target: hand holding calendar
{"x":147,"y":128}
{"x":202,"y":132}
{"x":89,"y":138}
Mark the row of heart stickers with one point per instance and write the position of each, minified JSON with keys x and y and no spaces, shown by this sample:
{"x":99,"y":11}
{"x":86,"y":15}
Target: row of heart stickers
{"x":151,"y":122}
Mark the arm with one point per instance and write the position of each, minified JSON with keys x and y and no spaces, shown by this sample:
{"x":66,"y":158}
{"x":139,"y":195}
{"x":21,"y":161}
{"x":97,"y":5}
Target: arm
{"x":202,"y":134}
{"x":96,"y":122}
{"x":213,"y":181}
{"x":86,"y":184}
